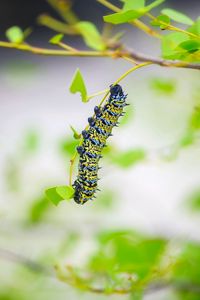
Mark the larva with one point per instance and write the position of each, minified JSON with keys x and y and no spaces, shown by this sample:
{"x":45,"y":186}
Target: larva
{"x":94,"y":140}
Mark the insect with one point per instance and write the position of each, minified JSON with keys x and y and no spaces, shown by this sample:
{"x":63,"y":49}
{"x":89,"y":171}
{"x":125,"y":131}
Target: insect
{"x":94,"y":140}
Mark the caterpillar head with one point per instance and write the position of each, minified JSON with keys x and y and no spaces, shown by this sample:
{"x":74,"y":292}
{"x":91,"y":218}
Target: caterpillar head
{"x":116,"y":90}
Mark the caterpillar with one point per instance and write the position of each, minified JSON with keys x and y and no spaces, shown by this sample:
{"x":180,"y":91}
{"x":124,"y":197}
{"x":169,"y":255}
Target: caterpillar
{"x":94,"y":140}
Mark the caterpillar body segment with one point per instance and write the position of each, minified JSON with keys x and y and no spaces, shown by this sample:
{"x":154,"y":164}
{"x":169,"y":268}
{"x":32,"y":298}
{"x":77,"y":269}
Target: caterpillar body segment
{"x":94,"y":140}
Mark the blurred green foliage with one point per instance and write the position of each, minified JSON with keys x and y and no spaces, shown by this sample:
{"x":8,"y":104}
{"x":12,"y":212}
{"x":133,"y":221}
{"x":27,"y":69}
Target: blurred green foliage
{"x":128,"y":117}
{"x":127,"y":252}
{"x":193,"y":201}
{"x":26,"y":149}
{"x":195,"y":119}
{"x":163,"y":86}
{"x":186,"y":273}
{"x":126,"y":159}
{"x":40,"y":206}
{"x":68,"y":146}
{"x":30,"y":142}
{"x":91,"y":35}
{"x":15,"y":35}
{"x":187,"y":267}
{"x":105,"y":200}
{"x":177,"y":16}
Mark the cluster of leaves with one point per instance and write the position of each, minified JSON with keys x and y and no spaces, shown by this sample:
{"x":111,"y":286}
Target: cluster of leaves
{"x":123,"y":262}
{"x":193,"y":126}
{"x":182,"y":44}
{"x":127,"y":262}
{"x":25,"y":150}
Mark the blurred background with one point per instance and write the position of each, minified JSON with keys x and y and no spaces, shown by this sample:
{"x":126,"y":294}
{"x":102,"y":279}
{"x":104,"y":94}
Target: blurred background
{"x":156,"y":191}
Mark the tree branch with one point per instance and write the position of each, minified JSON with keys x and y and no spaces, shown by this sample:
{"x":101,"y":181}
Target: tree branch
{"x":81,"y":283}
{"x":152,"y":287}
{"x":124,"y":53}
{"x":159,"y":61}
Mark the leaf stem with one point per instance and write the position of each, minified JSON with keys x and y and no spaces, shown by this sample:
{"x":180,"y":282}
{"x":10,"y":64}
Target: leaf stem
{"x":67,"y":47}
{"x":131,"y":70}
{"x":97,"y":94}
{"x":123,"y":76}
{"x":72,"y":161}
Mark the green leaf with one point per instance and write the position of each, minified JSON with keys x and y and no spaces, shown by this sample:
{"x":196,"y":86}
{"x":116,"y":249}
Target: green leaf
{"x":187,"y":267}
{"x":190,"y":45}
{"x":59,"y":193}
{"x":177,"y":16}
{"x":128,"y":158}
{"x":195,"y":28}
{"x":66,"y":192}
{"x":15,"y":35}
{"x":164,"y":86}
{"x":76,"y":135}
{"x":56,"y":39}
{"x":153,"y":5}
{"x":136,"y":296}
{"x":123,"y":17}
{"x":194,"y":201}
{"x":170,"y":43}
{"x":78,"y":85}
{"x":130,"y":15}
{"x":187,"y":139}
{"x":133,"y":4}
{"x":31,"y":142}
{"x":68,"y":146}
{"x":195,"y":119}
{"x":27,"y":32}
{"x":53,"y":196}
{"x":127,"y":252}
{"x":159,"y":20}
{"x":38,"y":209}
{"x":90,"y":35}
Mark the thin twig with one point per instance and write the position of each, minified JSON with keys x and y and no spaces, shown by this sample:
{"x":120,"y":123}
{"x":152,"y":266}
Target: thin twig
{"x":75,"y":281}
{"x":63,"y":8}
{"x":150,"y":287}
{"x":172,"y":27}
{"x":20,"y":259}
{"x":159,"y":61}
{"x":67,"y":47}
{"x":72,"y":161}
{"x":56,"y":25}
